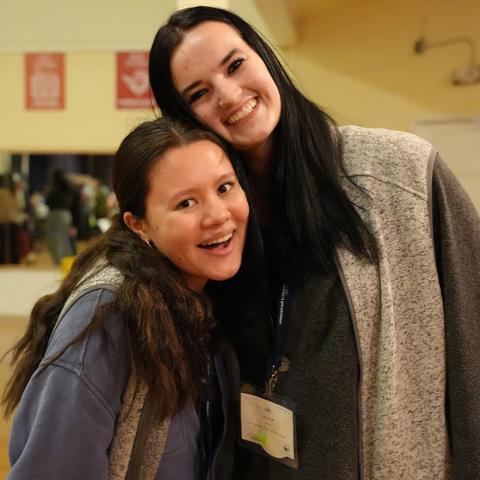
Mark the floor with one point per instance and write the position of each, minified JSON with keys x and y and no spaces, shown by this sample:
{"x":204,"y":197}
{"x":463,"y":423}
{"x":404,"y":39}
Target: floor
{"x":21,"y":286}
{"x":11,"y":328}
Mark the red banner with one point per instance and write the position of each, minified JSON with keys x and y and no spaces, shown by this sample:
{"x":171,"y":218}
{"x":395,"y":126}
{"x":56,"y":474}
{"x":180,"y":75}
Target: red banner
{"x":133,"y":88}
{"x":44,"y":81}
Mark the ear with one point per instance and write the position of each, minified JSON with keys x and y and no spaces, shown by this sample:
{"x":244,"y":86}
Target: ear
{"x":136,"y":225}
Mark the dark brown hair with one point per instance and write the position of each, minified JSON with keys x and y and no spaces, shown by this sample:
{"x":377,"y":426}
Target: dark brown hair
{"x":170,"y":326}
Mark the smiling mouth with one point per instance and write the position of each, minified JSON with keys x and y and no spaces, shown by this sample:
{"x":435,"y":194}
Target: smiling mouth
{"x":219,"y":243}
{"x":248,"y":108}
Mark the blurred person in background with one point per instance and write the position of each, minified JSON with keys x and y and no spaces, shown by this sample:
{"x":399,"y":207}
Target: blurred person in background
{"x":9,"y":215}
{"x":24,"y":220}
{"x":102,"y":210}
{"x":63,"y":201}
{"x":39,"y":215}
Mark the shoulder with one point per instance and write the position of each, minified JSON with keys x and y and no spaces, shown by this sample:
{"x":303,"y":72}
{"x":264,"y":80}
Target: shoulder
{"x":96,"y":288}
{"x":77,"y":318}
{"x":387,"y":155}
{"x":355,"y":137}
{"x":101,"y":360}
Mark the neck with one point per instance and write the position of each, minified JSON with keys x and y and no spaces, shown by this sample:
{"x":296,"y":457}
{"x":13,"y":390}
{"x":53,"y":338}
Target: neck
{"x":261,"y":191}
{"x":194,"y":283}
{"x":258,"y":161}
{"x":259,"y":166}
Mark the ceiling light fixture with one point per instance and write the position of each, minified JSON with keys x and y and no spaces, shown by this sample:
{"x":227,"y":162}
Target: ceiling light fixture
{"x":467,"y":75}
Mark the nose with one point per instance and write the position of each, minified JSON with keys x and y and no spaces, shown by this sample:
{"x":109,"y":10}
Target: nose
{"x":216,"y":213}
{"x":227,"y":91}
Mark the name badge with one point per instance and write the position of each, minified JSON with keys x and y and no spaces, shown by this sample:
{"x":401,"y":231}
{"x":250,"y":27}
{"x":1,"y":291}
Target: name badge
{"x":267,"y":425}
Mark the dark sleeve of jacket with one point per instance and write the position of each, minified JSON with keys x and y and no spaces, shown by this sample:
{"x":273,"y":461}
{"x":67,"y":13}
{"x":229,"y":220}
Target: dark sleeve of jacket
{"x":457,"y":242}
{"x":65,"y":421}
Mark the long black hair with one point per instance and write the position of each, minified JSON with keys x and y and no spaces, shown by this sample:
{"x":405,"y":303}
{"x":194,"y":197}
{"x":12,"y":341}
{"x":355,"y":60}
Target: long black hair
{"x":312,"y":214}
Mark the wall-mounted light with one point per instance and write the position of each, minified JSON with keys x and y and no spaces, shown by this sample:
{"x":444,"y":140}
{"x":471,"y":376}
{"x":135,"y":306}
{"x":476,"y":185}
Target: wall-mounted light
{"x":467,"y":75}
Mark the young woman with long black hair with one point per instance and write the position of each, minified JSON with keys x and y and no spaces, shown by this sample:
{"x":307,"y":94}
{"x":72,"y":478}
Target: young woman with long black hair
{"x":119,"y":374}
{"x":372,"y":248}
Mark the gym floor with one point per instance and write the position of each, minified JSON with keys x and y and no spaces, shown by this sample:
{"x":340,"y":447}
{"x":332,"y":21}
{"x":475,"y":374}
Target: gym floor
{"x":21,"y":286}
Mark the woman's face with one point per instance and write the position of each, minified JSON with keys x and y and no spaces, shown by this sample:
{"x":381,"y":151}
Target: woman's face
{"x":227,"y":85}
{"x":196,"y":213}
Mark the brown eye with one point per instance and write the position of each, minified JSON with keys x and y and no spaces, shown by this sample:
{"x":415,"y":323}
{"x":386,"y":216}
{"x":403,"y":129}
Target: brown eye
{"x":196,"y":95}
{"x":235,"y":65}
{"x":185,"y":204}
{"x":225,"y":187}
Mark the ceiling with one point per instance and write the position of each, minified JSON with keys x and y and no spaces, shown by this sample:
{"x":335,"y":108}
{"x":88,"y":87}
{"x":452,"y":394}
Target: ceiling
{"x":302,"y":9}
{"x":372,"y":41}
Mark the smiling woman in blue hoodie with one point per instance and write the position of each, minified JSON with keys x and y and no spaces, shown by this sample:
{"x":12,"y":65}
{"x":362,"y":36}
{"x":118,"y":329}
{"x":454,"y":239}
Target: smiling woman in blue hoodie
{"x":119,"y":373}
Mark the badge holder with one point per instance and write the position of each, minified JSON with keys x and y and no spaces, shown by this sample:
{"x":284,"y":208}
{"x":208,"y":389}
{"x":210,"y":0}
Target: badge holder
{"x":267,"y":420}
{"x":267,"y":423}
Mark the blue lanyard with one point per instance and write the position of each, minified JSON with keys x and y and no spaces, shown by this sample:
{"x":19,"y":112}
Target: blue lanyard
{"x":281,"y":330}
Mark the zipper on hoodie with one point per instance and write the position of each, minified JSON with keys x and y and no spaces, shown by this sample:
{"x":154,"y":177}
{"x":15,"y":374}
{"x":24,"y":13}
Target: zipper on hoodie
{"x":222,"y":383}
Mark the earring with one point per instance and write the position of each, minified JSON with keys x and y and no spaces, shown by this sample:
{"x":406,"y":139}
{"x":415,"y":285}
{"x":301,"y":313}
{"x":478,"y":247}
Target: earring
{"x":148,"y":242}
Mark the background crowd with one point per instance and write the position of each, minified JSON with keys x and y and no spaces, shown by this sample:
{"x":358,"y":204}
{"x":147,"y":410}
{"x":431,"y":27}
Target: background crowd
{"x":70,"y":208}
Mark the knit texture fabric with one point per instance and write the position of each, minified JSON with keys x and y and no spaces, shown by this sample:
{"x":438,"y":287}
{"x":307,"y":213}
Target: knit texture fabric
{"x":397,"y":308}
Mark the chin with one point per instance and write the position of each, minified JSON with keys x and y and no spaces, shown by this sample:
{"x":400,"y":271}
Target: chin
{"x":253,"y":144}
{"x":225,"y":275}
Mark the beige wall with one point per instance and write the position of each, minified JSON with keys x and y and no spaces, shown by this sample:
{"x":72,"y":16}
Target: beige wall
{"x":350,"y":101}
{"x":356,"y":59}
{"x":89,"y":32}
{"x":89,"y":123}
{"x":353,"y":58}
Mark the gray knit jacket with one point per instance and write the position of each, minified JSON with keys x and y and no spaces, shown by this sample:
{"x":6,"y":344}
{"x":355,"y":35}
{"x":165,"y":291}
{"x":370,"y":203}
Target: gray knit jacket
{"x":396,"y":307}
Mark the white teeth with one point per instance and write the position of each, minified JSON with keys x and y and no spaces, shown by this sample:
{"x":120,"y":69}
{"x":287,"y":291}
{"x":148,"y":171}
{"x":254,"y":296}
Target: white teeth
{"x":219,"y":240}
{"x":243,"y":112}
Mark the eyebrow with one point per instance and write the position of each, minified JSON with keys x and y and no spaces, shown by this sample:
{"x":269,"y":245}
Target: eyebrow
{"x":225,"y":60}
